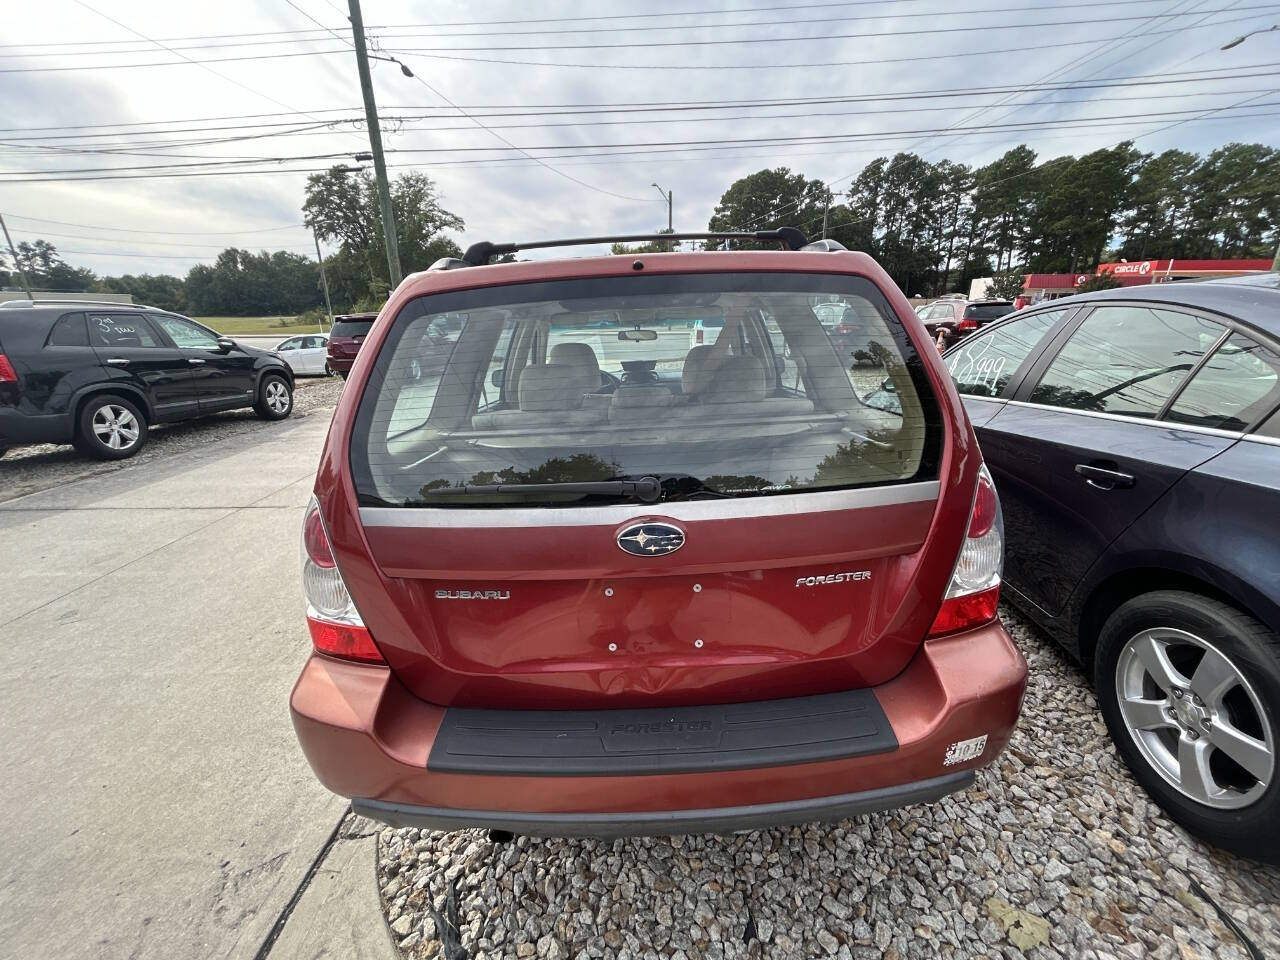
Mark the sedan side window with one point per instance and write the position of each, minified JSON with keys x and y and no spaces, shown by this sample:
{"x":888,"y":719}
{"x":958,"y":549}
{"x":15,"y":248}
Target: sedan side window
{"x":1126,"y":360}
{"x":1238,"y":384}
{"x":982,"y":365}
{"x":121,"y":330}
{"x":289,"y":345}
{"x":186,"y":334}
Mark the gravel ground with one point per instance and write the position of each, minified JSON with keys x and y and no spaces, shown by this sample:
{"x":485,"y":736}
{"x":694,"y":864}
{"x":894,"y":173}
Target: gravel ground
{"x":29,"y":469}
{"x":1055,"y":852}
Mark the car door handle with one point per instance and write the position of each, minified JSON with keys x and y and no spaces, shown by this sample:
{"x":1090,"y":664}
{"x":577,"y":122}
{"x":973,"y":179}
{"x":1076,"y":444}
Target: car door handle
{"x":117,"y":361}
{"x":194,"y":360}
{"x":1104,"y":478}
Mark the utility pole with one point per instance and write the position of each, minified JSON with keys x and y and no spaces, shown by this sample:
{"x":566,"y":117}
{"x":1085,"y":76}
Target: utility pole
{"x":375,"y":145}
{"x":324,"y":281}
{"x":666,"y":195}
{"x":17,"y":263}
{"x":826,"y":210}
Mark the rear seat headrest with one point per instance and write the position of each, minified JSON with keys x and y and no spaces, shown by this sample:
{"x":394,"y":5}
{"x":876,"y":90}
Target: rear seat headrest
{"x":737,"y":380}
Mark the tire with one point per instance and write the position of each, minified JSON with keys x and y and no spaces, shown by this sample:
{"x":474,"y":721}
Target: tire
{"x":328,"y":370}
{"x":1202,"y":741}
{"x":3,"y":451}
{"x":275,"y":397}
{"x":343,"y":374}
{"x":110,"y":427}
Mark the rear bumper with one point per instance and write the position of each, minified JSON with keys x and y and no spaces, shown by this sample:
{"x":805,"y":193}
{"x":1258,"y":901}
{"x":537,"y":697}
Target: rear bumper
{"x":369,"y":738}
{"x":664,"y":823}
{"x":341,"y":364}
{"x":17,"y":428}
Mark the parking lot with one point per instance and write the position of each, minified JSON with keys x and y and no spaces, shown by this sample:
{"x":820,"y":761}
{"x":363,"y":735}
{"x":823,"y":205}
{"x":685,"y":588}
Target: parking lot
{"x":189,"y":824}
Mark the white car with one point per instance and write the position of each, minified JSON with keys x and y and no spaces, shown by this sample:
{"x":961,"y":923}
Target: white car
{"x":306,"y":355}
{"x":705,"y":330}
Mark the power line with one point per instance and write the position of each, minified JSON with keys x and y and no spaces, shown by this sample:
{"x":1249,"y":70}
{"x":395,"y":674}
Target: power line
{"x":780,"y":21}
{"x":143,"y":256}
{"x":1130,"y":120}
{"x":542,"y":163}
{"x":127,"y":150}
{"x":507,"y":61}
{"x":1048,"y":76}
{"x":649,"y":44}
{"x":549,"y":109}
{"x":804,"y":138}
{"x":176,"y":233}
{"x":160,"y":243}
{"x":808,"y":65}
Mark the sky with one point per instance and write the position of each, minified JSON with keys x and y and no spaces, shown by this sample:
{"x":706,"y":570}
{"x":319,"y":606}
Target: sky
{"x":72,"y":79}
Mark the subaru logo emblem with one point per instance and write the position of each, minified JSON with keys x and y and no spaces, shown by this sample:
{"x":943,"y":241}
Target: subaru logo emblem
{"x":651,"y":539}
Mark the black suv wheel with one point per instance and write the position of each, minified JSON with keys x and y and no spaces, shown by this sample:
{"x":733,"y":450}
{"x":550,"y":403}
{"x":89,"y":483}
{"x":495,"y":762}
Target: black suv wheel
{"x":275,"y":397}
{"x":1190,"y":690}
{"x":110,"y":428}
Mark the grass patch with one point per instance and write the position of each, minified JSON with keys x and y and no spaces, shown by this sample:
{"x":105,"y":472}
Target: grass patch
{"x":257,"y":326}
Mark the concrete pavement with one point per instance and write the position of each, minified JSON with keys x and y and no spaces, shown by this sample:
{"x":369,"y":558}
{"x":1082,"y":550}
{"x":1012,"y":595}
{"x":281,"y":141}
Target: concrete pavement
{"x":158,"y":805}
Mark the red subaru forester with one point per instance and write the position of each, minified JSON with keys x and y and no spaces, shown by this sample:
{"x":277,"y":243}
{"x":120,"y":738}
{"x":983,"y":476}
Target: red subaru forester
{"x":583,"y":577}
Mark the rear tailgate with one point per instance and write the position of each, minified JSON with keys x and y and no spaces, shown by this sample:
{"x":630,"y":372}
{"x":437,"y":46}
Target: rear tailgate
{"x":782,"y":585}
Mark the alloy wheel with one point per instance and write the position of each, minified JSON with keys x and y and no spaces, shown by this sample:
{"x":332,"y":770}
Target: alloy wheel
{"x":1195,"y":717}
{"x":277,"y":396}
{"x":116,"y":427}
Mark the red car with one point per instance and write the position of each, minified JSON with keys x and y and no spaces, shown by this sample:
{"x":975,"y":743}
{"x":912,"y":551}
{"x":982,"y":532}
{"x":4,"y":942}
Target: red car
{"x":345,"y":338}
{"x":602,"y":581}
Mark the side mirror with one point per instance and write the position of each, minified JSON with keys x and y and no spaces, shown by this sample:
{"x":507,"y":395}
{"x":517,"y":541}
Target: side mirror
{"x":498,"y":377}
{"x":226,"y":344}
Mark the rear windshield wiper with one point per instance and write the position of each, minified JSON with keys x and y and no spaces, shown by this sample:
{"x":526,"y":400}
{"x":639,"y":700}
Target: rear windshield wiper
{"x":647,"y":489}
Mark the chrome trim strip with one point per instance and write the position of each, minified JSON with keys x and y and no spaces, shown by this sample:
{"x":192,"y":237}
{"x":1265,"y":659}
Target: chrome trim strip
{"x":1254,"y":438}
{"x":692,"y":510}
{"x":1162,"y":424}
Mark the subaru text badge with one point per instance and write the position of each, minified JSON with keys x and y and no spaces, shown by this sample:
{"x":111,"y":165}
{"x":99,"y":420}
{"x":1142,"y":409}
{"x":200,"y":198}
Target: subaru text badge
{"x":651,"y":539}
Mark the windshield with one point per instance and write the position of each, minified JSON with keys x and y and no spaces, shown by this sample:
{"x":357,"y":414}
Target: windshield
{"x":722,"y":385}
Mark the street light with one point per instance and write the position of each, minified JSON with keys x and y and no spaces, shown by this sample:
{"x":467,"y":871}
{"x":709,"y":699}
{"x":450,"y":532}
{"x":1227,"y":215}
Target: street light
{"x":403,"y":69}
{"x":1245,"y":36}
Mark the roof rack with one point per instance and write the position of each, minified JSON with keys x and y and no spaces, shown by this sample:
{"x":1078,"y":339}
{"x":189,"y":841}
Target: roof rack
{"x":63,"y":301}
{"x":478,"y":254}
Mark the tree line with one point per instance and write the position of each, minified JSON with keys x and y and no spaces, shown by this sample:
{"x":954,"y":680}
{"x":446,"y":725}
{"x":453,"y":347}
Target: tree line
{"x":936,"y":226}
{"x":340,"y":207}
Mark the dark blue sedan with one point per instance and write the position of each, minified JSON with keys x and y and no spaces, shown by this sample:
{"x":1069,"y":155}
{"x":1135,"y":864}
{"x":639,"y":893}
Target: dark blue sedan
{"x":1134,"y":435}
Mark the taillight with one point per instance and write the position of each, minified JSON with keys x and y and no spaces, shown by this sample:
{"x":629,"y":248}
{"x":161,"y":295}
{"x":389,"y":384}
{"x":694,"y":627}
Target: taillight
{"x":697,"y":335}
{"x":7,"y":373}
{"x":335,"y":624}
{"x":973,"y":595}
{"x":967,"y":325}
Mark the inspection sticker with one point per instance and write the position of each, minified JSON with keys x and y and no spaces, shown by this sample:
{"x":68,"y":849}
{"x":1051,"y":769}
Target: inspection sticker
{"x":963,"y":750}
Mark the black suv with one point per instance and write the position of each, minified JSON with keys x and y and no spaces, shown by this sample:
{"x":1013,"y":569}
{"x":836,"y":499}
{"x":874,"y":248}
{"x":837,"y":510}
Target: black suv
{"x":98,"y":374}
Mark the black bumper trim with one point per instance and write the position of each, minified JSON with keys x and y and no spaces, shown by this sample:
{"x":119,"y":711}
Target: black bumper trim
{"x":694,"y":739}
{"x":664,"y":823}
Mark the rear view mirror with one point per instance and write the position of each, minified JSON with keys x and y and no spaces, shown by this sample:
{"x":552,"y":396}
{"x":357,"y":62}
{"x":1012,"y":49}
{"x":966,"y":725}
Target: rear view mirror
{"x":637,"y":336}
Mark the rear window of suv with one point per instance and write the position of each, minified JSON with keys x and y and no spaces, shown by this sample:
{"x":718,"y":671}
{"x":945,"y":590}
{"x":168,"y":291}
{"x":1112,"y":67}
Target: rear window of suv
{"x":351,"y":328}
{"x":530,"y":391}
{"x":987,"y":311}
